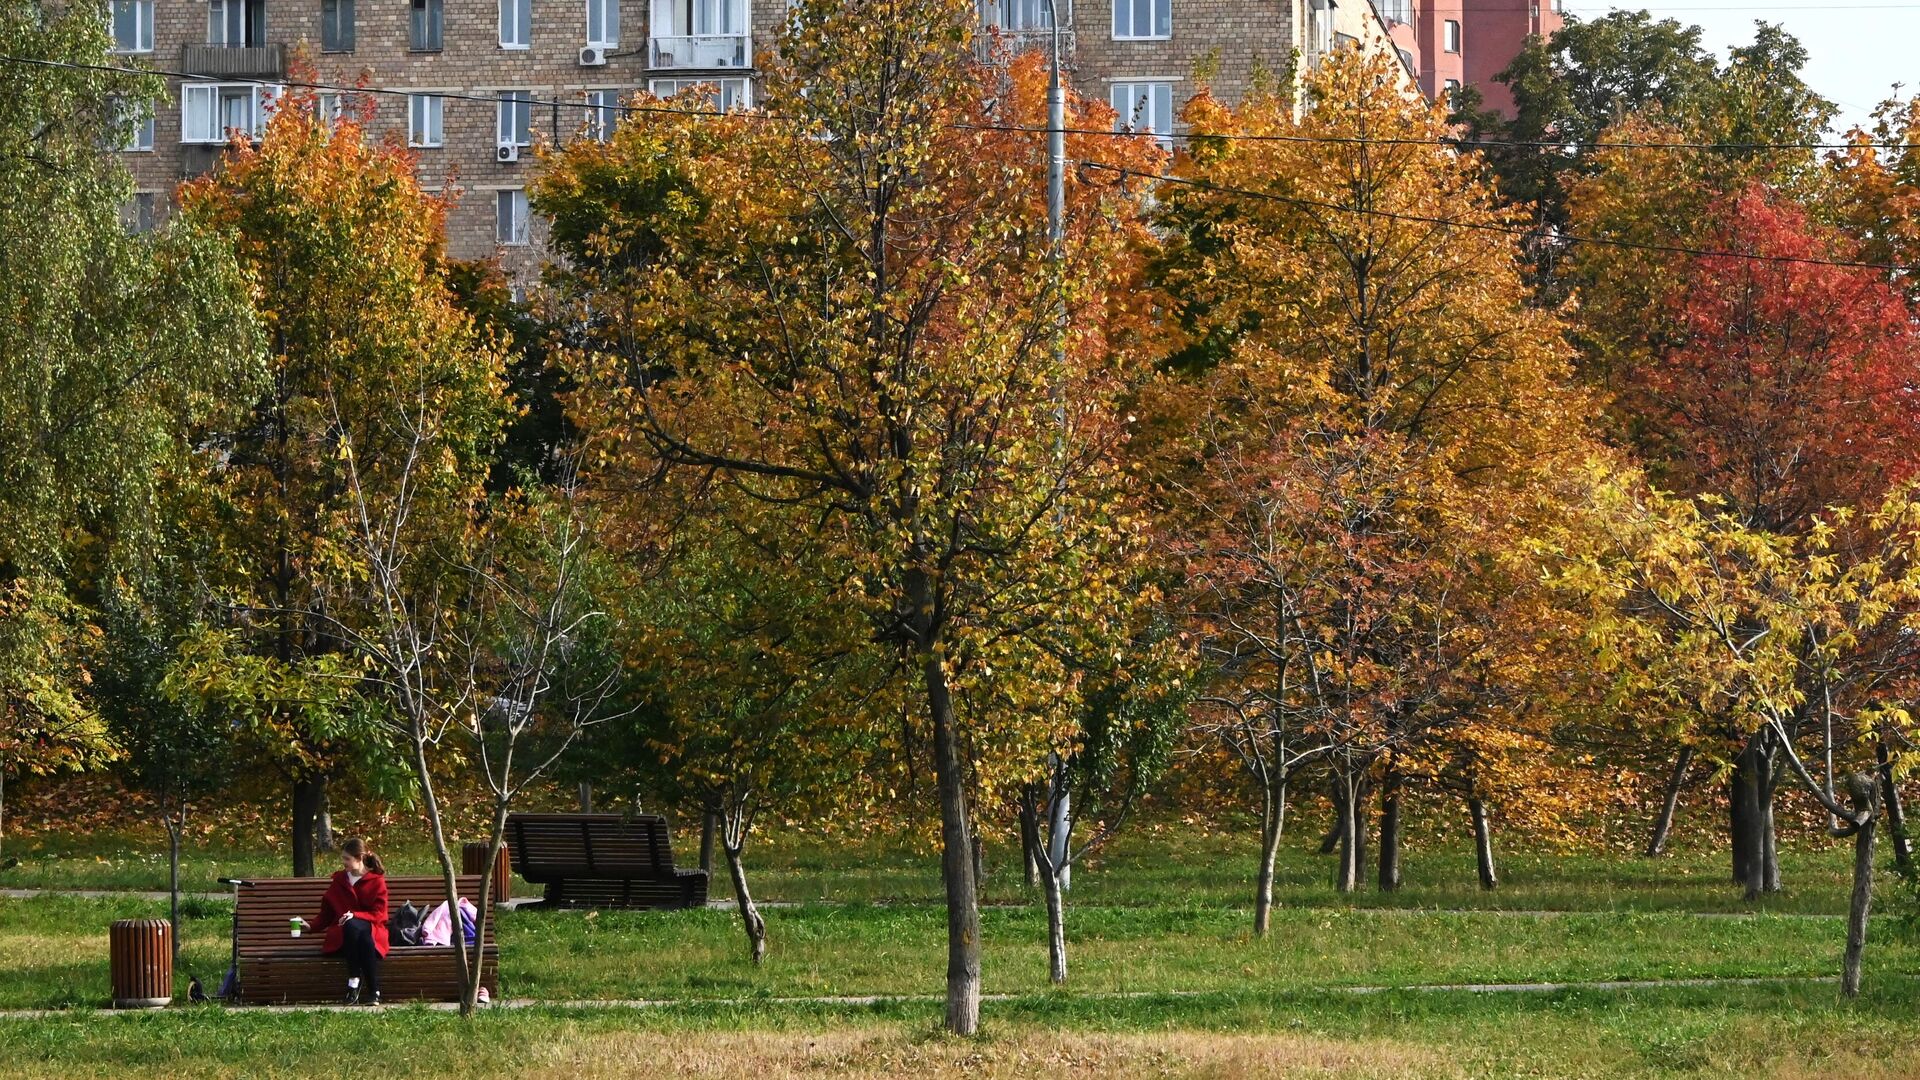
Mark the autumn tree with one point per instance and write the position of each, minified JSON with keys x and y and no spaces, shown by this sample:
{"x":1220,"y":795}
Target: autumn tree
{"x":853,"y":309}
{"x":1795,"y":647}
{"x":113,"y":345}
{"x":343,"y":246}
{"x":1371,"y":381}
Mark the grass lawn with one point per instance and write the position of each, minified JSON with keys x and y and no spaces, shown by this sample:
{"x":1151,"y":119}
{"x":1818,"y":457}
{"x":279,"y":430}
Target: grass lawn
{"x":1146,"y":867}
{"x":1748,"y":1032}
{"x":1166,"y":977}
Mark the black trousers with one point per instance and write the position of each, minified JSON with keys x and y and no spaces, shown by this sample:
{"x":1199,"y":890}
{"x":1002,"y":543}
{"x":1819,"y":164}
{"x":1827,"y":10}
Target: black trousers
{"x":363,"y":959}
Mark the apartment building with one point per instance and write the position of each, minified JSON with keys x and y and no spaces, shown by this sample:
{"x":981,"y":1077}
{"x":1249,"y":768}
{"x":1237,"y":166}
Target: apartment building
{"x":471,"y":84}
{"x":1451,"y":43}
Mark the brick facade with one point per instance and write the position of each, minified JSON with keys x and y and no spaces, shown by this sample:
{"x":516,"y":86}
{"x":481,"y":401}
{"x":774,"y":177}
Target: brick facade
{"x":1237,"y":40}
{"x":1483,"y":41}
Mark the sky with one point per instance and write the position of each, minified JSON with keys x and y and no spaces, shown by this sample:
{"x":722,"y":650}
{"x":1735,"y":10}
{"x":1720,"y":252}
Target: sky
{"x":1857,"y":48}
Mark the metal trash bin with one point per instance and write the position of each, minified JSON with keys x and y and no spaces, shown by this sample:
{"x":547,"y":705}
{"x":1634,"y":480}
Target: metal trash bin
{"x":140,"y":963}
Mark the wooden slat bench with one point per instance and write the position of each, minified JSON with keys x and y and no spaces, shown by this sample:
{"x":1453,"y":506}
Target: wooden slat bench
{"x":277,"y":968}
{"x":602,"y":860}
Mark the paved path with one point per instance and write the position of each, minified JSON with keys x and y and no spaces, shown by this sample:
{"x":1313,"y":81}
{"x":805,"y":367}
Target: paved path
{"x":866,"y":1000}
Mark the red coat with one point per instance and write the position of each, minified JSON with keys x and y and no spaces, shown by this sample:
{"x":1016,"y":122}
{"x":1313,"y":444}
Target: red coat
{"x":367,"y":900}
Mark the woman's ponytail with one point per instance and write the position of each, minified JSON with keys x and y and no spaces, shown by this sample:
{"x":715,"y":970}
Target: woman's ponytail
{"x":357,"y":847}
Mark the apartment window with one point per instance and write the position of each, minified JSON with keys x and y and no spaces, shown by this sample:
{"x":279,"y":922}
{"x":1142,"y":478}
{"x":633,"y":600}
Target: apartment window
{"x":134,"y":123}
{"x":516,"y":118}
{"x":336,"y":25}
{"x":424,"y":116}
{"x":1450,"y":86}
{"x":700,"y":34}
{"x":1145,"y":106}
{"x":1451,"y":37}
{"x":603,"y":112}
{"x":209,"y":111}
{"x":426,"y":25}
{"x":132,"y":26}
{"x":719,"y":95}
{"x":516,"y":24}
{"x":510,"y":217}
{"x":329,"y":106}
{"x":1022,"y":15}
{"x":1400,"y":11}
{"x":137,"y":213}
{"x":603,"y":23}
{"x":1319,"y":29}
{"x":237,"y":23}
{"x":1142,"y":19}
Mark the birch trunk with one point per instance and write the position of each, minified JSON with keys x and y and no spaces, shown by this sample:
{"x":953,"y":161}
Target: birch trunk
{"x":1669,"y":804}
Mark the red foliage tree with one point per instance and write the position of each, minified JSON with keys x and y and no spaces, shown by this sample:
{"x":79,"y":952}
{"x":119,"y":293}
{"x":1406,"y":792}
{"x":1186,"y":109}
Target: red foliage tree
{"x":1792,"y":385}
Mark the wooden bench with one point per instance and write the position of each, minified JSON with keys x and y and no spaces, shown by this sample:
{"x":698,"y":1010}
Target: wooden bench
{"x":602,"y":860}
{"x":277,"y":968}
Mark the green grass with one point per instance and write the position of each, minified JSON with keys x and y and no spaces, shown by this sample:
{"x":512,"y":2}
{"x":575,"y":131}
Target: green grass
{"x":1748,"y":1032}
{"x":53,"y":950}
{"x":1148,"y":866}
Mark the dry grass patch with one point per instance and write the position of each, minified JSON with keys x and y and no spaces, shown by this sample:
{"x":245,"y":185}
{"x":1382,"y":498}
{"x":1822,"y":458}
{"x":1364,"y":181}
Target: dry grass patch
{"x":1026,"y":1055}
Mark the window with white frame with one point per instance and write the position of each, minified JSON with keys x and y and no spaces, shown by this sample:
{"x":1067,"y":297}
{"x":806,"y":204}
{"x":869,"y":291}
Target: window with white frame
{"x":237,"y":23}
{"x":336,"y":25}
{"x":426,"y":25}
{"x":1450,"y":36}
{"x":1450,"y":86}
{"x":700,"y":34}
{"x":603,"y":112}
{"x":209,"y":111}
{"x":1142,"y":20}
{"x":134,"y":123}
{"x":1144,"y":106}
{"x":516,"y":24}
{"x":132,"y":26}
{"x":1016,"y":16}
{"x":603,"y":23}
{"x":425,"y":113}
{"x":329,"y":106}
{"x":510,"y":217}
{"x":1400,"y":11}
{"x":515,"y":126}
{"x":719,"y":95}
{"x":1319,"y":29}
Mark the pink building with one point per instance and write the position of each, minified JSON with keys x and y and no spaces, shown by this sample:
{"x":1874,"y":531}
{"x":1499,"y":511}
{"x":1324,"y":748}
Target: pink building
{"x":1450,"y":43}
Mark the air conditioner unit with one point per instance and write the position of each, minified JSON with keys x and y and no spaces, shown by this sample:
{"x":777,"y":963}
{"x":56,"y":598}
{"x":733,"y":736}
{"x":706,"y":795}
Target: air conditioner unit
{"x":507,"y":152}
{"x":593,"y":56}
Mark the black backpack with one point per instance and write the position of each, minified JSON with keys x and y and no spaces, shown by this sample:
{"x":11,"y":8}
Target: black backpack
{"x":403,"y":926}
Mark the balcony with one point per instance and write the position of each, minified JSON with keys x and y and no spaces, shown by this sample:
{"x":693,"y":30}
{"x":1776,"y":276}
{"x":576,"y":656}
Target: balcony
{"x":235,"y":62}
{"x":699,"y":52}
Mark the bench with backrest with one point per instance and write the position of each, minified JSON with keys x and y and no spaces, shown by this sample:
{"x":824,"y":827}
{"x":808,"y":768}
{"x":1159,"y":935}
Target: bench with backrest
{"x":278,"y":968}
{"x":602,"y":860}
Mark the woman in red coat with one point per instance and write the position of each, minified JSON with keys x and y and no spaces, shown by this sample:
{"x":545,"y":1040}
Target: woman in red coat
{"x":353,"y":913}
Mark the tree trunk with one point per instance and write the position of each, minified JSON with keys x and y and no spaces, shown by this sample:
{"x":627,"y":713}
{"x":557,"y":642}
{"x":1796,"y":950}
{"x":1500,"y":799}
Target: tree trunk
{"x":1771,"y":769}
{"x":1352,"y":839}
{"x":750,"y":920}
{"x":956,"y":857}
{"x":467,"y":974}
{"x":585,"y":795}
{"x":173,"y":877}
{"x":1663,"y":824}
{"x":3,"y":807}
{"x":323,"y":821}
{"x":709,"y":818}
{"x":1863,"y":789}
{"x":979,"y":852}
{"x":1896,"y":813}
{"x":1749,"y":841}
{"x":309,"y":792}
{"x":1029,"y":842}
{"x":1060,"y":833}
{"x":1056,"y":926}
{"x":1482,"y":842}
{"x":1273,"y":822}
{"x":1390,"y":834}
{"x":1337,"y":831}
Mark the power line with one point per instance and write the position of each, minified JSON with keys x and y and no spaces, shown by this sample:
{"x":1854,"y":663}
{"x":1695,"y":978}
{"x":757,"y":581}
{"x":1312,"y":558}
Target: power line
{"x":1483,"y":226}
{"x":1188,"y":137}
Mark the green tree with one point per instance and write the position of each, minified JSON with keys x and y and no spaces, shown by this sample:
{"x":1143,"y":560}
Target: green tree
{"x":853,"y":310}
